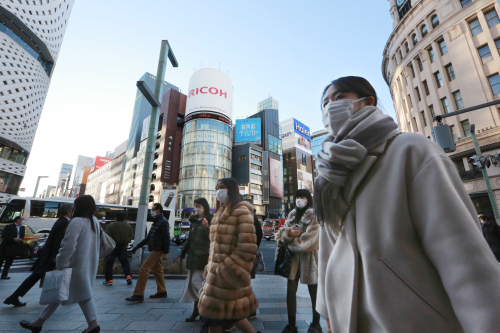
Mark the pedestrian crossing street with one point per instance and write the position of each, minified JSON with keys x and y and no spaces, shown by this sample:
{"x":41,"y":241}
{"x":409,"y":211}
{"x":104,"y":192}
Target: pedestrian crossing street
{"x":21,"y":265}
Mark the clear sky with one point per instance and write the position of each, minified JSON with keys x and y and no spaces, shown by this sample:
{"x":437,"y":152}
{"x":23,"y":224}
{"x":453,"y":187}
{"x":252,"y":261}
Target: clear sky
{"x":287,"y":49}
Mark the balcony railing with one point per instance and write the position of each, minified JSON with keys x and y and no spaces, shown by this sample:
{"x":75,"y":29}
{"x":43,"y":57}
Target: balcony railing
{"x":471,"y":174}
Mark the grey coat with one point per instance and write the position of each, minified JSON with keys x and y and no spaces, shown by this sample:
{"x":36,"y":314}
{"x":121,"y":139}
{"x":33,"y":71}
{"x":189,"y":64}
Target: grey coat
{"x":80,"y":251}
{"x":304,"y":247}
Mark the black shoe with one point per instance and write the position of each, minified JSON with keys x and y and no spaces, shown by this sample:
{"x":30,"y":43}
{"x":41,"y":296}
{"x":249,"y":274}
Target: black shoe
{"x":13,"y":301}
{"x":315,"y":328}
{"x":95,"y":330}
{"x":25,"y":324}
{"x":159,"y":295}
{"x":290,"y":329}
{"x":5,"y":277}
{"x":135,"y":298}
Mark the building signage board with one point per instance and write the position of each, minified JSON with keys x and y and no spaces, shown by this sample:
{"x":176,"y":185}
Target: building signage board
{"x":210,"y":90}
{"x":302,"y":143}
{"x":248,"y":130}
{"x":99,"y":162}
{"x":168,"y":155}
{"x":305,"y":180}
{"x":168,"y":198}
{"x":301,"y":129}
{"x":276,"y":178}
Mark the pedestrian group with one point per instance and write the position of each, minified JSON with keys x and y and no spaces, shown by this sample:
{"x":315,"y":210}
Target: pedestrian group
{"x":391,"y":242}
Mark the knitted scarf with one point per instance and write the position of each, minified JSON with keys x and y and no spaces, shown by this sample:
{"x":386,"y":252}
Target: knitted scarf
{"x":366,"y":129}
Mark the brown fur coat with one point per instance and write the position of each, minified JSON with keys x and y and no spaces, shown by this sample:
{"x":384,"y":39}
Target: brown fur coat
{"x":305,"y":247}
{"x":227,"y":293}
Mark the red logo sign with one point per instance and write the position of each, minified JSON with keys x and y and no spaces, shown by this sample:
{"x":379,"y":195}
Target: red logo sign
{"x":206,"y":90}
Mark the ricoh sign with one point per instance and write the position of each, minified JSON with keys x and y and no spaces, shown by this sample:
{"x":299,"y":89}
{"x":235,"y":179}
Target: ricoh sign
{"x":210,"y":91}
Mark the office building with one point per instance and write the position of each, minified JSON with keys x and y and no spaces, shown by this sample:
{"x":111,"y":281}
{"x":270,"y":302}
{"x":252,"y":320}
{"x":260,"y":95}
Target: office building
{"x":31,"y":35}
{"x":140,"y":121}
{"x":78,"y":176}
{"x":268,"y":104}
{"x":317,"y":139}
{"x":207,"y":136}
{"x":297,"y":160}
{"x":61,"y":179}
{"x":441,"y":57}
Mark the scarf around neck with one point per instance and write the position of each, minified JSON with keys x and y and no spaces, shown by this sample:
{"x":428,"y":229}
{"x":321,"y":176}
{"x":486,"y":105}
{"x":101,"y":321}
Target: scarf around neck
{"x":340,"y":154}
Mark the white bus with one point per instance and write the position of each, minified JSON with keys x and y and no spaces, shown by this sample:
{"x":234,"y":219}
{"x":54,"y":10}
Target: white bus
{"x":41,"y":214}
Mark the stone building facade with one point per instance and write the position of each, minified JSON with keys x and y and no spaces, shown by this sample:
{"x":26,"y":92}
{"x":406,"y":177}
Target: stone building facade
{"x":443,"y":56}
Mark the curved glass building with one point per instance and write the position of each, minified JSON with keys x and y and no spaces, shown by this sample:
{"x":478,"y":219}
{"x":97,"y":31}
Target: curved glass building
{"x":205,"y":158}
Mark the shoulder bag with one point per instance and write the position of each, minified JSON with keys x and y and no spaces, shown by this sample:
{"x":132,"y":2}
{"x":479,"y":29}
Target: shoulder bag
{"x":107,"y":245}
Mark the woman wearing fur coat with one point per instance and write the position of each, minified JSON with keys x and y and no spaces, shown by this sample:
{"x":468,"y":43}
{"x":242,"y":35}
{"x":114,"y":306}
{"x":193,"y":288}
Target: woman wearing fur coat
{"x":301,"y":236}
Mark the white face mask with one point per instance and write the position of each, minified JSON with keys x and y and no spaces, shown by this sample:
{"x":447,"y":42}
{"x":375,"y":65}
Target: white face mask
{"x":301,"y":203}
{"x":200,"y":211}
{"x":336,"y":113}
{"x":153,"y":213}
{"x":222,"y":195}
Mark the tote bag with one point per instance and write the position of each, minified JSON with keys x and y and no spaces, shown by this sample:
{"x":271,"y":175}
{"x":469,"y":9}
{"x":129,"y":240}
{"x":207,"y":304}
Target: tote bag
{"x":107,"y":245}
{"x":283,"y":264}
{"x":56,"y":286}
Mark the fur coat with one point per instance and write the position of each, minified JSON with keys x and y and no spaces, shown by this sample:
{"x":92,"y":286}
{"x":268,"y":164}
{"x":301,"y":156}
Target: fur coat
{"x":227,"y":293}
{"x":305,"y":247}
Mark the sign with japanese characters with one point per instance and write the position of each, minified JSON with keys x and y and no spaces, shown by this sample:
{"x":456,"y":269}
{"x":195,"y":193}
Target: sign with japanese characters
{"x":247,"y":130}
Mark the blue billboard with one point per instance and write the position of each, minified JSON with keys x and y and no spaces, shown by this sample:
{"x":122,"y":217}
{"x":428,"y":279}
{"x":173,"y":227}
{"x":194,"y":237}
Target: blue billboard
{"x":247,"y":130}
{"x":301,"y":129}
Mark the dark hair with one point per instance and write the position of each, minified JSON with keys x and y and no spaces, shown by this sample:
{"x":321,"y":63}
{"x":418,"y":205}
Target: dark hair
{"x":233,"y":190}
{"x":204,"y":203}
{"x":67,"y":207}
{"x":158,"y":206}
{"x":355,"y":84}
{"x":85,"y":207}
{"x":301,"y":211}
{"x":17,"y":218}
{"x":120,"y":216}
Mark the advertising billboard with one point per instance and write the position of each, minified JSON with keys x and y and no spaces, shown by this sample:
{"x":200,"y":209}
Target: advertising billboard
{"x":301,"y":129}
{"x":210,"y":90}
{"x":276,"y":178}
{"x":145,"y":127}
{"x":302,"y":143}
{"x":99,"y":162}
{"x":248,"y":130}
{"x":305,"y":180}
{"x":168,"y":198}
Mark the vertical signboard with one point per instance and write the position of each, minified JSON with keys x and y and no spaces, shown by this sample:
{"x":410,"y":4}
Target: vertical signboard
{"x":168,"y":155}
{"x":276,"y":178}
{"x":248,"y":130}
{"x":305,"y":181}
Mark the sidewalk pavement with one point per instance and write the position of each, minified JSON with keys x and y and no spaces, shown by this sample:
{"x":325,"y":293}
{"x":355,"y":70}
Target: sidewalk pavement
{"x":153,"y":315}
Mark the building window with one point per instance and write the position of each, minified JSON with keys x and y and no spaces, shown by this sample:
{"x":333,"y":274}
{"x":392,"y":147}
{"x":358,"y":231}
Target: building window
{"x":412,"y":70}
{"x":410,"y":102}
{"x":450,"y":71}
{"x":424,"y":31}
{"x":435,"y":21}
{"x":416,"y":126}
{"x":465,"y":3}
{"x":475,"y":27}
{"x":466,"y":127}
{"x":442,"y":47}
{"x":243,"y":158}
{"x":439,"y":82}
{"x":304,"y":160}
{"x":274,"y":144}
{"x":455,"y":137}
{"x":431,"y":55}
{"x":495,"y":83}
{"x":426,"y":87}
{"x":446,"y":106}
{"x":256,"y":167}
{"x":485,"y":54}
{"x":423,"y":118}
{"x":497,"y":43}
{"x":431,"y":110}
{"x":407,"y":48}
{"x":458,"y":100}
{"x":400,"y":54}
{"x":418,"y":94}
{"x":420,"y":65}
{"x":492,"y":17}
{"x":415,"y":39}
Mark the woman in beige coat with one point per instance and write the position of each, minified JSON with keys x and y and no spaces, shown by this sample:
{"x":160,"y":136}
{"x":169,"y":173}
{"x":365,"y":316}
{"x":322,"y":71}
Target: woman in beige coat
{"x":400,"y":247}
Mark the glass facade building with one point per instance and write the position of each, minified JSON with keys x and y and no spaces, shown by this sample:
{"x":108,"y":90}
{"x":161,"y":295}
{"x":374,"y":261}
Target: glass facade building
{"x":206,"y":157}
{"x":317,"y":140}
{"x":268,"y":104}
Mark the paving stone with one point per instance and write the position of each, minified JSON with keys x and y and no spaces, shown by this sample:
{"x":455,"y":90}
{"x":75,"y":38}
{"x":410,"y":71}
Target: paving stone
{"x":183,"y":326}
{"x":272,"y":311}
{"x":137,"y":317}
{"x":150,"y":325}
{"x":277,"y":325}
{"x":170,"y":311}
{"x":101,"y":317}
{"x":132,"y":309}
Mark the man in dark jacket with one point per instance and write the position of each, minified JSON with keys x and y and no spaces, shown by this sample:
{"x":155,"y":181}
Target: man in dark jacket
{"x":47,"y":258}
{"x":491,"y":232}
{"x":12,"y":243}
{"x":158,"y":241}
{"x":122,"y":233}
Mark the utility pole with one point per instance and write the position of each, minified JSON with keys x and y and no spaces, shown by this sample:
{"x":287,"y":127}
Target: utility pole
{"x":154,"y":99}
{"x":38,"y":183}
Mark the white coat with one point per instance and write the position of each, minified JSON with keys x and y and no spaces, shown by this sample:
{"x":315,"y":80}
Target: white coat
{"x":411,"y":257}
{"x":80,"y":251}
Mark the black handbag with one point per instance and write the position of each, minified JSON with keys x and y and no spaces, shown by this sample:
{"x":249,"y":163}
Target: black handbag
{"x":283,"y":264}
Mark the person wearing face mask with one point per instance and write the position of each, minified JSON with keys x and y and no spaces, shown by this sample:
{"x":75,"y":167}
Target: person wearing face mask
{"x":491,"y":233}
{"x":197,"y":248}
{"x":227,"y":298}
{"x":300,"y":234}
{"x":401,"y":248}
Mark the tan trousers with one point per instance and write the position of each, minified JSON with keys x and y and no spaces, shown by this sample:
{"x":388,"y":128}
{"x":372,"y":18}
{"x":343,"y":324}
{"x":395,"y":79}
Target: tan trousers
{"x":152,"y":264}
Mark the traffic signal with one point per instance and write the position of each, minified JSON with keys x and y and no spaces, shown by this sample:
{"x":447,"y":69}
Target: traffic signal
{"x":443,"y":136}
{"x":474,"y":160}
{"x":486,"y":161}
{"x":496,"y":158}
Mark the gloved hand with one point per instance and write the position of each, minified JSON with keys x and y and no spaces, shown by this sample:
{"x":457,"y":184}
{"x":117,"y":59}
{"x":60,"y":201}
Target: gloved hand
{"x":134,"y":250}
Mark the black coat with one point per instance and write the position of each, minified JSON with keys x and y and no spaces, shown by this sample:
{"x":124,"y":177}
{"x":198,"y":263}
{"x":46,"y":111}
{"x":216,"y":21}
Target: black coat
{"x":51,"y":248}
{"x":491,"y":232}
{"x":258,"y":233}
{"x":158,"y":238}
{"x":197,"y":246}
{"x":9,"y":233}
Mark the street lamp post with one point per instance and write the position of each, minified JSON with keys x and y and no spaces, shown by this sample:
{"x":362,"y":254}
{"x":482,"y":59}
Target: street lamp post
{"x":38,"y":183}
{"x":154,"y":99}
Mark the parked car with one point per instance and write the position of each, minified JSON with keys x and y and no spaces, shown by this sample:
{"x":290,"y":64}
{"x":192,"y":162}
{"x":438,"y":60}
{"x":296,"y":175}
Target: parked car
{"x":29,"y":240}
{"x":180,"y":239}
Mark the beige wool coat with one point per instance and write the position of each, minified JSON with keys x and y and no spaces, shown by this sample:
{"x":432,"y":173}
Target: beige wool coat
{"x":227,"y":293}
{"x":411,"y":257}
{"x":304,"y":247}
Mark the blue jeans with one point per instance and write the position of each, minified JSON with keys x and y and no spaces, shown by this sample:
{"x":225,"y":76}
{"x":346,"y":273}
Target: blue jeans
{"x":122,"y":257}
